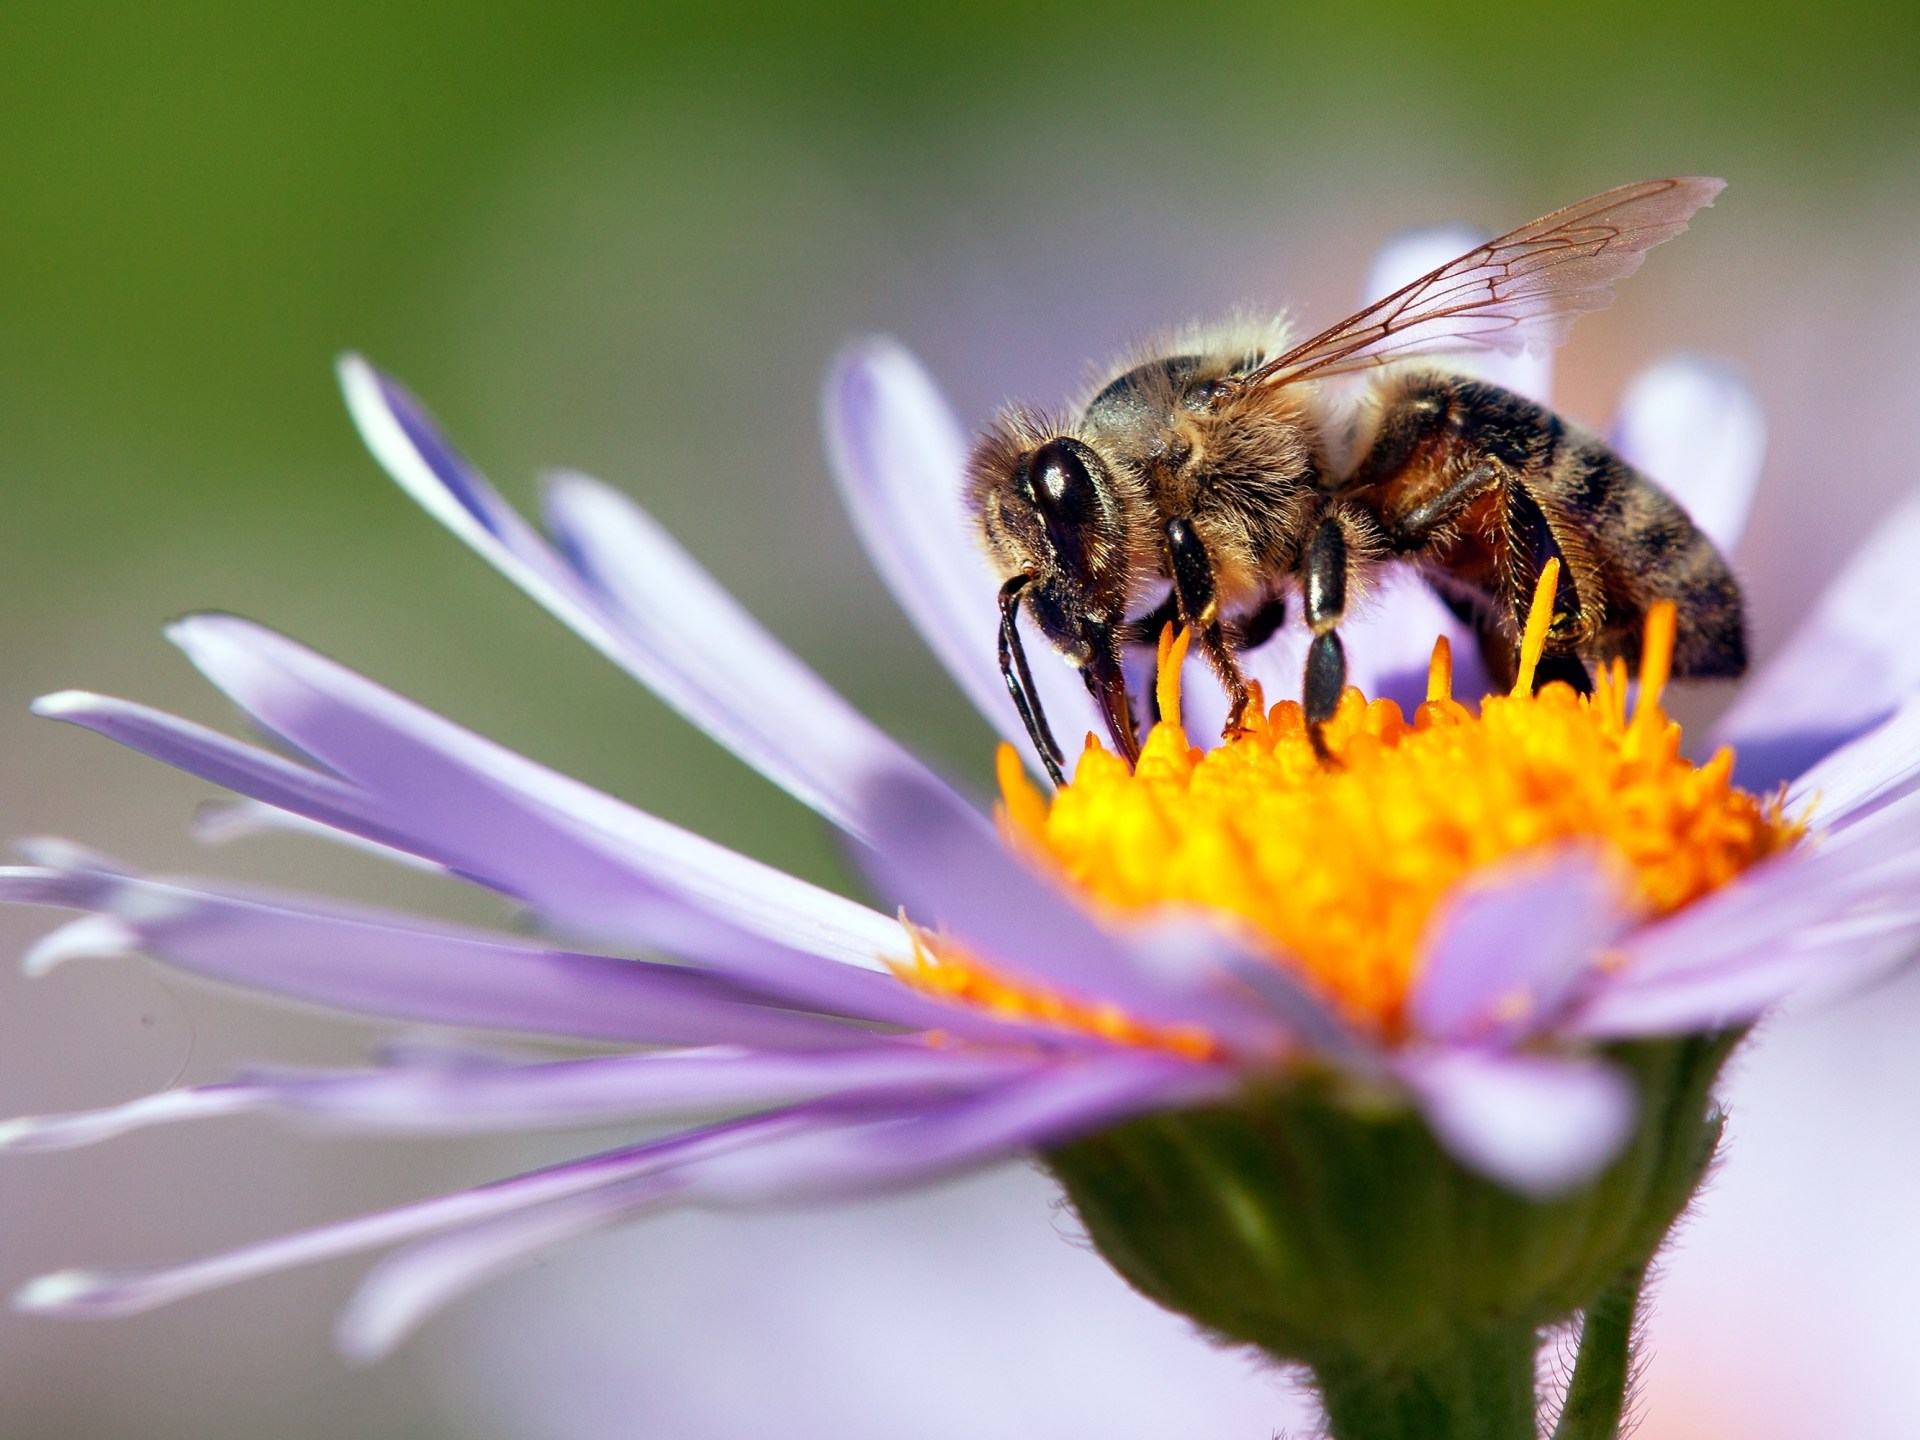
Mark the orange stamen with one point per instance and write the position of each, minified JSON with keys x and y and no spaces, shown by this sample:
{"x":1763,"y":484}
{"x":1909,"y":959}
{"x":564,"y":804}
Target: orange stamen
{"x":1341,"y":869}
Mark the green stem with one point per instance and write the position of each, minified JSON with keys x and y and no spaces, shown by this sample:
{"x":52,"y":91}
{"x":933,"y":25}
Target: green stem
{"x":1482,"y":1389}
{"x":1597,"y":1394}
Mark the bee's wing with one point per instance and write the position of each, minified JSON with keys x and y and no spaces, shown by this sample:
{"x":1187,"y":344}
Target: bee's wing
{"x":1521,"y":291}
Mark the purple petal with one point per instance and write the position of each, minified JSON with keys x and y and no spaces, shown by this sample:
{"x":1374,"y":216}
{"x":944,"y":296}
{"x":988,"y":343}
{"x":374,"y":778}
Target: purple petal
{"x":1048,"y":1106}
{"x":1863,"y":776}
{"x":438,"y":1098}
{"x":858,"y":1156}
{"x":579,"y":875}
{"x":220,"y":822}
{"x":1693,"y":426}
{"x":1848,"y":667}
{"x":405,"y":1289}
{"x":1833,"y":912}
{"x":1505,"y":954}
{"x":218,"y":759}
{"x":1538,"y":1124}
{"x":379,"y":963}
{"x":900,"y":456}
{"x":447,"y":1100}
{"x":90,"y":1127}
{"x":579,"y":856}
{"x":696,"y":647}
{"x":951,"y":876}
{"x":632,"y":593}
{"x":104,"y":1293}
{"x":1411,"y":254}
{"x":1190,"y":947}
{"x":1830,"y":961}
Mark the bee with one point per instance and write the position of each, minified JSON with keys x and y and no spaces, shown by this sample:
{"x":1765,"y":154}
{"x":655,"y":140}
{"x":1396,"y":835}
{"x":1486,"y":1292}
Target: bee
{"x":1217,"y":478}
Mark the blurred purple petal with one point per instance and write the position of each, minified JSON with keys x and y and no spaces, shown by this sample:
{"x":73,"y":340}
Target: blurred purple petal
{"x":820,"y":1159}
{"x":445,"y":1100}
{"x":91,"y":1294}
{"x":1790,"y":923}
{"x":1504,"y":954}
{"x":406,"y":1288}
{"x":90,"y":1127}
{"x":1693,"y":426}
{"x":1048,"y":1106}
{"x":1847,"y":668}
{"x":1829,"y":959}
{"x":1865,"y":775}
{"x":899,"y":456}
{"x":375,"y":962}
{"x":640,"y":600}
{"x":438,"y":1098}
{"x":1189,"y":947}
{"x":1542,"y":1125}
{"x":221,"y":822}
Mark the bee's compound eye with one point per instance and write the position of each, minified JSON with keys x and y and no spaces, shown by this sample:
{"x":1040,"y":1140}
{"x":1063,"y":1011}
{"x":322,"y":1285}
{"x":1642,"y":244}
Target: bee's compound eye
{"x":1065,"y":478}
{"x":1063,"y":486}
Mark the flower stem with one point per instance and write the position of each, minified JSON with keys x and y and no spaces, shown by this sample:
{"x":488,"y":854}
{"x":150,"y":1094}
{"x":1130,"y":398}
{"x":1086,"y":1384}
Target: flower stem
{"x":1597,"y":1394}
{"x":1481,"y":1389}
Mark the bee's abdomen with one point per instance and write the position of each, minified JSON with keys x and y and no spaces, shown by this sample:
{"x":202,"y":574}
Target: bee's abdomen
{"x":1647,"y":549}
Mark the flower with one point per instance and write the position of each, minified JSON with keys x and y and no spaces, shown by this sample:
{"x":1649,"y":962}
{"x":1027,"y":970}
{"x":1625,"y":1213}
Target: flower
{"x":1074,"y":981}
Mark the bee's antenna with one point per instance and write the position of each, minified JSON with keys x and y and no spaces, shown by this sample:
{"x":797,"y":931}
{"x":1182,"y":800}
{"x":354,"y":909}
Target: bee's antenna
{"x":1013,"y":669}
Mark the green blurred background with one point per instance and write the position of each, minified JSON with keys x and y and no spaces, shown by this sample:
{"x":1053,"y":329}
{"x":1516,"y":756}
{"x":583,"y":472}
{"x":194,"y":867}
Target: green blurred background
{"x":629,"y":238}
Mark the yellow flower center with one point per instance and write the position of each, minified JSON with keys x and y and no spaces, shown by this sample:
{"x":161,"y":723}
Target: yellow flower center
{"x":1342,"y":865}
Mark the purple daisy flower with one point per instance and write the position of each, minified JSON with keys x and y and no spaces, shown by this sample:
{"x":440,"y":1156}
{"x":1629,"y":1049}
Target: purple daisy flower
{"x":992,"y":1008}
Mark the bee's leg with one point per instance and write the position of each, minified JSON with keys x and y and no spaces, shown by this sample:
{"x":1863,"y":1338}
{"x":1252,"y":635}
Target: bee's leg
{"x":1530,"y":541}
{"x":1531,"y":544}
{"x":1411,"y":529}
{"x":1200,"y":609}
{"x":1019,"y":679}
{"x":1326,"y":596}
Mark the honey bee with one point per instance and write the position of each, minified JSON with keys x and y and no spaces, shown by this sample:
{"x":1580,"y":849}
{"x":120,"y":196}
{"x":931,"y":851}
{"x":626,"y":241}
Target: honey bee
{"x":1208,"y":482}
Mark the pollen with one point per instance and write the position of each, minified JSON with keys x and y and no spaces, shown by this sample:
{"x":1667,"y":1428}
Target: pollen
{"x":1340,"y":865}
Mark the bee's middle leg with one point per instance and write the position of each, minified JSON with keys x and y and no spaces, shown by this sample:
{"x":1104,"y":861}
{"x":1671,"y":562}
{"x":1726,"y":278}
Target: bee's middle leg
{"x":1326,"y":606}
{"x":1199,"y":605}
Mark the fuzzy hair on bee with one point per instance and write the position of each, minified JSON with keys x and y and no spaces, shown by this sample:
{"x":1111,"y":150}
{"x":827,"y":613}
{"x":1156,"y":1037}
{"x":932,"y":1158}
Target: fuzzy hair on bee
{"x":1214,"y":477}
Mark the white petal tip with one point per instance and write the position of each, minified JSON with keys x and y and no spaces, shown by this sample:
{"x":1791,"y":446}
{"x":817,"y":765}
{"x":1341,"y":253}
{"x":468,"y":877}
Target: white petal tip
{"x":19,"y":1134}
{"x":62,"y":704}
{"x":93,"y":937}
{"x":59,"y":1132}
{"x":363,"y":1337}
{"x":359,"y":382}
{"x":52,"y":852}
{"x":65,"y":1292}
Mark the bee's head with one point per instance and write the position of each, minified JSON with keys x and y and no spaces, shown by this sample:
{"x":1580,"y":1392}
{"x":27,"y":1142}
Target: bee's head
{"x":1049,"y":511}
